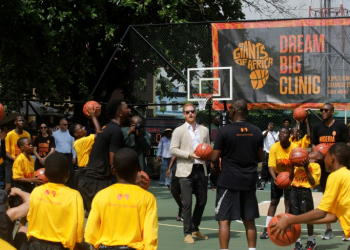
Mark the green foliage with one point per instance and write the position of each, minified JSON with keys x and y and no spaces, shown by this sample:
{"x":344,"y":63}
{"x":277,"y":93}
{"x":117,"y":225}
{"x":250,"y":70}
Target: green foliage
{"x":61,"y":47}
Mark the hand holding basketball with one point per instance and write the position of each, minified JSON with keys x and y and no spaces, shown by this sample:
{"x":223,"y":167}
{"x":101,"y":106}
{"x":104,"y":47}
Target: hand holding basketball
{"x":203,"y":151}
{"x":281,"y":233}
{"x":40,"y":177}
{"x":142,"y":180}
{"x":91,"y":108}
{"x":193,"y":155}
{"x":299,"y":114}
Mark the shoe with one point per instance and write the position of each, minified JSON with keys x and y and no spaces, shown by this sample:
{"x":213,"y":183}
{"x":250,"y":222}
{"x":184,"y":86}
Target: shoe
{"x":298,"y":246}
{"x":189,"y":239}
{"x":328,"y":234}
{"x":261,"y":188}
{"x":344,"y":238}
{"x":310,"y":245}
{"x":264,"y":234}
{"x":169,"y":187}
{"x":199,"y":235}
{"x":179,"y":216}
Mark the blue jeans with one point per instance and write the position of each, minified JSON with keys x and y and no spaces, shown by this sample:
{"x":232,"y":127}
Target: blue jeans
{"x":162,"y":179}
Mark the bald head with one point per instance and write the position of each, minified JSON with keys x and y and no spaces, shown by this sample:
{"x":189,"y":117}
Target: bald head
{"x":136,"y":119}
{"x":240,"y":105}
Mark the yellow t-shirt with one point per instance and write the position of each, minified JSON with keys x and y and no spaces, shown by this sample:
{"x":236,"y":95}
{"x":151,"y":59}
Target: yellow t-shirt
{"x":83,"y":148}
{"x":302,"y":143}
{"x":56,"y":214}
{"x":11,"y":142}
{"x":279,"y":157}
{"x":336,"y":198}
{"x":300,"y":176}
{"x":123,"y":214}
{"x":5,"y":246}
{"x":22,"y":167}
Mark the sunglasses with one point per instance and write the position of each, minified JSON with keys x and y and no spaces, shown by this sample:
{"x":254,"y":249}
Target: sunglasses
{"x":43,"y":127}
{"x":325,"y":110}
{"x":190,"y":111}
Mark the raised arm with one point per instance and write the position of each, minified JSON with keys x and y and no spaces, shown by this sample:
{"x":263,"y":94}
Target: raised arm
{"x":22,"y":210}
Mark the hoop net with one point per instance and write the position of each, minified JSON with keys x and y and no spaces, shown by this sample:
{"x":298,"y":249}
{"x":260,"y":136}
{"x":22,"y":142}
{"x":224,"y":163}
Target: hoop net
{"x":203,"y":99}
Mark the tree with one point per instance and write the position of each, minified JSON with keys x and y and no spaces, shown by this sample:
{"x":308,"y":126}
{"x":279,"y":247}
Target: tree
{"x":60,"y":47}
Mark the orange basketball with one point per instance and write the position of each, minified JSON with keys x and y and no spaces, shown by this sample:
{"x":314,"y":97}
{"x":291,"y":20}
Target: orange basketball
{"x":282,"y":180}
{"x":287,"y":238}
{"x":146,"y":180}
{"x":2,"y":112}
{"x":299,"y":114}
{"x":91,"y":104}
{"x":323,"y":148}
{"x":203,"y":151}
{"x":40,"y":174}
{"x":258,"y":78}
{"x":297,"y":156}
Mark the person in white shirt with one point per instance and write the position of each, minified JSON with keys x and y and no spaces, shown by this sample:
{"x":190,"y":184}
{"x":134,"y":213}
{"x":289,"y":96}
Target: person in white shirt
{"x":270,"y":138}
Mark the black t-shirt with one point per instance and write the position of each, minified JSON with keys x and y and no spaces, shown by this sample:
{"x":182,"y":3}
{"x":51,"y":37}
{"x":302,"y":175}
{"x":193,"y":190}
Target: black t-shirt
{"x":240,"y":143}
{"x":109,"y":139}
{"x":44,"y":145}
{"x":338,"y":132}
{"x":6,"y":228}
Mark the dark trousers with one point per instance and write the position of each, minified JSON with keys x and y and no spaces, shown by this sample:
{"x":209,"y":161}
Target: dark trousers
{"x":265,"y":173}
{"x":70,"y":181}
{"x":195,"y":183}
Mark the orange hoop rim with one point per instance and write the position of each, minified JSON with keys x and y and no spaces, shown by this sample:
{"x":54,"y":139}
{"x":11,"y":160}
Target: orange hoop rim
{"x":207,"y":96}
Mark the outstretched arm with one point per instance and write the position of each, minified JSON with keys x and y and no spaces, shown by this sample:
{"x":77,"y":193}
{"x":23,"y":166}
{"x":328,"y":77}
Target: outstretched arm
{"x":22,"y":210}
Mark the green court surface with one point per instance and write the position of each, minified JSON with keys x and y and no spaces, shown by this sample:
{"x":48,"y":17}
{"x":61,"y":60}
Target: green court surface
{"x":171,"y":232}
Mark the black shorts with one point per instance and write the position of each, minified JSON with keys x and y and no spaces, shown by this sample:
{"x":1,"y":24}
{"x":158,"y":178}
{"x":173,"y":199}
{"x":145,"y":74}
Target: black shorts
{"x":8,"y":171}
{"x":175,"y":183}
{"x":21,"y":241}
{"x":236,"y":204}
{"x":37,"y":244}
{"x":89,"y":187}
{"x":301,"y":201}
{"x":277,"y":193}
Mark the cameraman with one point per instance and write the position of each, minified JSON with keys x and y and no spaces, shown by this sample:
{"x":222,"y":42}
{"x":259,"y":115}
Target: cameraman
{"x":137,"y":138}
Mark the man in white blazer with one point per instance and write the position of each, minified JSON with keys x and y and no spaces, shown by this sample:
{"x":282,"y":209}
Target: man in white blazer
{"x":192,"y":173}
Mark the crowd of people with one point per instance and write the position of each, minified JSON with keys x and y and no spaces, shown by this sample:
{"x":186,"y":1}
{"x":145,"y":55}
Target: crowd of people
{"x":106,"y":186}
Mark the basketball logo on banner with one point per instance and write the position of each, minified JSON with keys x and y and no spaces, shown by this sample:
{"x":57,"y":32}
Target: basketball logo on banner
{"x":257,"y":61}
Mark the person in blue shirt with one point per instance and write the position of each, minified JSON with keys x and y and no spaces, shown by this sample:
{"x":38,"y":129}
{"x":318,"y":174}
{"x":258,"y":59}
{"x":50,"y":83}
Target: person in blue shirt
{"x":164,"y":156}
{"x":64,"y":145}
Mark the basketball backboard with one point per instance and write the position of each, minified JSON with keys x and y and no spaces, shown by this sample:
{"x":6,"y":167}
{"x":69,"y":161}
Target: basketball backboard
{"x":214,"y":80}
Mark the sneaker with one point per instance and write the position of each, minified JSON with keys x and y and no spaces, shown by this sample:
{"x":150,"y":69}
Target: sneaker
{"x":328,"y":234}
{"x":189,"y":239}
{"x":310,"y":245}
{"x":199,"y":235}
{"x":298,"y":246}
{"x":261,"y":188}
{"x":264,"y":234}
{"x":344,"y":238}
{"x":179,"y":216}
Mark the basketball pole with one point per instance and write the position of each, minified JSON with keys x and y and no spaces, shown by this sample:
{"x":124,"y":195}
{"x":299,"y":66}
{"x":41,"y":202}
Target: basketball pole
{"x":224,"y":114}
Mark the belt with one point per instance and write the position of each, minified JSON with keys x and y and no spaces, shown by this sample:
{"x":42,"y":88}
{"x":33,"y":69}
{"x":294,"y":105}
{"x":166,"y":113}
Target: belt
{"x":116,"y":247}
{"x":47,"y":242}
{"x":197,"y":165}
{"x":300,"y":188}
{"x":65,"y":153}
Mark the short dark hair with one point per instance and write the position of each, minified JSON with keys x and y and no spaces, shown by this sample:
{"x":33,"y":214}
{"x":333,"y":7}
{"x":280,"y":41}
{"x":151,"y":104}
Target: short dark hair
{"x":20,"y":141}
{"x":56,"y":167}
{"x":126,"y":163}
{"x":72,"y":129}
{"x":285,"y":129}
{"x":287,"y":119}
{"x":341,"y":151}
{"x":329,"y":104}
{"x":18,"y":117}
{"x":112,"y":107}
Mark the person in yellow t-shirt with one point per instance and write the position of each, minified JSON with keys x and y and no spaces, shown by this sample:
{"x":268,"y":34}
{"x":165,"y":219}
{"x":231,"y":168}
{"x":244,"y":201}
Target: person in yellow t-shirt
{"x":56,"y":212}
{"x":278,"y":162}
{"x":12,"y":151}
{"x":297,"y":135}
{"x":123,"y":215}
{"x":335,"y":203}
{"x":83,"y":144}
{"x":304,"y":178}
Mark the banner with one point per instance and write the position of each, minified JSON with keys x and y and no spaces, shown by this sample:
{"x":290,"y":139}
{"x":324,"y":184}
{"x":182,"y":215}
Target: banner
{"x":285,"y":64}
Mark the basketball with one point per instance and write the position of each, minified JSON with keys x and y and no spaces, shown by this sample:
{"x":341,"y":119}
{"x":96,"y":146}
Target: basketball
{"x":287,"y":238}
{"x":259,"y":78}
{"x":40,"y":174}
{"x":2,"y":112}
{"x":146,"y":180}
{"x":282,"y":180}
{"x":323,"y":148}
{"x":203,"y":151}
{"x":299,"y":114}
{"x":297,"y":156}
{"x":93,"y":104}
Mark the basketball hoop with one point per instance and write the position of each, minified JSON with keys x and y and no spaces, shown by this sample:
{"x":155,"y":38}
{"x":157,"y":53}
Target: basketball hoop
{"x":202,"y":100}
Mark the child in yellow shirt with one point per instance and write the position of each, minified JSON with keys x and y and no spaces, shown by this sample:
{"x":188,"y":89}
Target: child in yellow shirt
{"x":336,"y":200}
{"x":297,"y":135}
{"x":56,"y":212}
{"x":123,"y":215}
{"x":301,"y":201}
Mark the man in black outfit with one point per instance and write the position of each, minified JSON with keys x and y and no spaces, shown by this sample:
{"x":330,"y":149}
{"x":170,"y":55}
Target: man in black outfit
{"x":107,"y":142}
{"x":328,"y":131}
{"x":236,"y":193}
